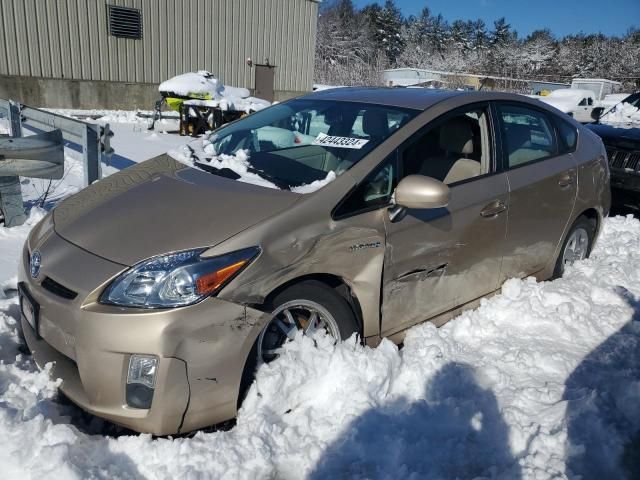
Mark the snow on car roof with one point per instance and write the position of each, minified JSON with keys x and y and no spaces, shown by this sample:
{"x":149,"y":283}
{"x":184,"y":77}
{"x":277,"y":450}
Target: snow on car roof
{"x":571,"y":93}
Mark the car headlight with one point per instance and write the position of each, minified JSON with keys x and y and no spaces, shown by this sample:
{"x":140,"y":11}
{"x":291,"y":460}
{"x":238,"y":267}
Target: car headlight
{"x":176,"y":279}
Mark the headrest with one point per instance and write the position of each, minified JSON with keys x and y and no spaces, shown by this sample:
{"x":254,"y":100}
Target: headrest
{"x":456,"y":137}
{"x":375,"y":123}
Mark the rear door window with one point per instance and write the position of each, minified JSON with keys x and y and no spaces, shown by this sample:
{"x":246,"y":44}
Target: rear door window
{"x":567,"y":134}
{"x":528,"y":134}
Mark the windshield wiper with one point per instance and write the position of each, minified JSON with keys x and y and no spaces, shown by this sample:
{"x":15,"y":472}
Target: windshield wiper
{"x":221,"y":172}
{"x":228,"y":173}
{"x":281,"y":184}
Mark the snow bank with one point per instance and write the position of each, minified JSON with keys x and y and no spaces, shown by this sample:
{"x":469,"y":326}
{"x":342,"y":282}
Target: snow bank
{"x":104,"y":116}
{"x":612,"y":99}
{"x":541,"y":381}
{"x":622,"y":113}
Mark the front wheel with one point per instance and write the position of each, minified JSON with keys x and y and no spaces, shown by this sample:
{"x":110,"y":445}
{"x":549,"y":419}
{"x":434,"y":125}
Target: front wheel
{"x":308,"y":306}
{"x":577,"y":244}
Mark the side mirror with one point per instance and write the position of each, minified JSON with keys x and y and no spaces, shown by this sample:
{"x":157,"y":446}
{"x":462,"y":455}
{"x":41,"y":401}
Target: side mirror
{"x":418,"y":191}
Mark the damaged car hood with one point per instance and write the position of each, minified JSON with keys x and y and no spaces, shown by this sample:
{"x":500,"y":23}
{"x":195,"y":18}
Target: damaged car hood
{"x":161,"y":206}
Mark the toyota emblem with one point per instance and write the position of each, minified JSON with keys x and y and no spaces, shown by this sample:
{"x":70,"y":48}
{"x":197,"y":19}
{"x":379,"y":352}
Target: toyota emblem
{"x":36,"y":261}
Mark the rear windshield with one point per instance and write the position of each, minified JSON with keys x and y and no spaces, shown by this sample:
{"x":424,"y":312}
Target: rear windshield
{"x":301,"y":143}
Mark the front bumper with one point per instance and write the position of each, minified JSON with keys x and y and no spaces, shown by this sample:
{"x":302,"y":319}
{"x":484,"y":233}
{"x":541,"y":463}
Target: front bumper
{"x":202,"y":348}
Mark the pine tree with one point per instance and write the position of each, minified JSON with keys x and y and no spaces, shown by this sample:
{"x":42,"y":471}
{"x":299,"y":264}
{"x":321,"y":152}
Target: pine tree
{"x":501,"y":32}
{"x":416,"y":28}
{"x":355,"y":45}
{"x":479,"y":38}
{"x":386,"y":24}
{"x":438,"y":34}
{"x":459,"y":34}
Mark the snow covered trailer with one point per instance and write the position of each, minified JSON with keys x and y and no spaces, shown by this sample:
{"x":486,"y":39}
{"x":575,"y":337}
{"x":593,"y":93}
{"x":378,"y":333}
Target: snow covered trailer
{"x":600,"y":86}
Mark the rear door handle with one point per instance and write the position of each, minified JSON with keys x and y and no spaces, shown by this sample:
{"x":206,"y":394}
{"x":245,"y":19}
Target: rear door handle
{"x":493,"y":209}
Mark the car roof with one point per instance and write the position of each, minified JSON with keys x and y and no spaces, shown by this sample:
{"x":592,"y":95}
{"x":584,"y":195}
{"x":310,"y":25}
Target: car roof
{"x":416,"y":98}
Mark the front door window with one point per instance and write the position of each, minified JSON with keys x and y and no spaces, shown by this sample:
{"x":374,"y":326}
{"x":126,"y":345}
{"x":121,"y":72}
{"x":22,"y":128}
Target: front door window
{"x":452,"y":151}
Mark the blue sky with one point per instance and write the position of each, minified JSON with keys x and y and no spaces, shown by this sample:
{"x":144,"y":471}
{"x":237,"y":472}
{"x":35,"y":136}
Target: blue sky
{"x":611,"y":17}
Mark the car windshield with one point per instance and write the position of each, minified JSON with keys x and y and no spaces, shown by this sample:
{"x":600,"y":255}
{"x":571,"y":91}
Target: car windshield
{"x":300,"y":144}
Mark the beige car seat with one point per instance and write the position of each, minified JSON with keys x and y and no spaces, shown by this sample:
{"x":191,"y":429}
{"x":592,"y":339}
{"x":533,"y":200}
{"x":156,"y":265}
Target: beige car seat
{"x":456,"y":140}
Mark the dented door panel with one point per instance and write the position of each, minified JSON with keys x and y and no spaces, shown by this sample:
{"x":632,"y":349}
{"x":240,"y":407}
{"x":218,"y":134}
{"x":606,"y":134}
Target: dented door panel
{"x":438,"y":259}
{"x":351,"y":249}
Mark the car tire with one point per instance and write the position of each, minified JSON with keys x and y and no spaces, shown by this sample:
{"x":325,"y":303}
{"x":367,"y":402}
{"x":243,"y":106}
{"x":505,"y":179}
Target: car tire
{"x":308,"y":292}
{"x":577,"y":244}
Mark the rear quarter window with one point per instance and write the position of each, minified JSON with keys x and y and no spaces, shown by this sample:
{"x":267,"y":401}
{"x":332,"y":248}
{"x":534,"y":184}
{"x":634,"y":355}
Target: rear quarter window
{"x":568,"y":135}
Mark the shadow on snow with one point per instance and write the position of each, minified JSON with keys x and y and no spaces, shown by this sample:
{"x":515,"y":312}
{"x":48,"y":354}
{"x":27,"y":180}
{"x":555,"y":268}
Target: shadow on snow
{"x":457,"y":431}
{"x":603,"y":406}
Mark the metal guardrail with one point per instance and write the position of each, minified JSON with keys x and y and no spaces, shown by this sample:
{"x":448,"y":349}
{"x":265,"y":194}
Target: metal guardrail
{"x":94,"y":140}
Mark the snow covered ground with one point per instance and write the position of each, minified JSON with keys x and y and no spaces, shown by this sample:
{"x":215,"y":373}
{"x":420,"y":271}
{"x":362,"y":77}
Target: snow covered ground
{"x":541,"y":381}
{"x":131,"y":138}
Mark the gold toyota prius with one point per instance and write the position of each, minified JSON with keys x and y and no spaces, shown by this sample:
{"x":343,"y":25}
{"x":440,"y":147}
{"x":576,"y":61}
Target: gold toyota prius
{"x":157,"y":292}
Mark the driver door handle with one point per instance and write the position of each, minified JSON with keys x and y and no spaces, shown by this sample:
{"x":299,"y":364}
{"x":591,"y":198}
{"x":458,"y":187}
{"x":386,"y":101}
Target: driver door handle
{"x":493,"y":209}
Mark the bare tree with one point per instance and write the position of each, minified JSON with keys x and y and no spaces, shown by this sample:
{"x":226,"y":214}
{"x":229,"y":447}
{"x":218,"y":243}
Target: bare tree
{"x":354,"y":46}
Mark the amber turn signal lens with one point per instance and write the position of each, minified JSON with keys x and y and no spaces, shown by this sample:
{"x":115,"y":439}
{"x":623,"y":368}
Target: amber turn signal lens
{"x":210,"y":282}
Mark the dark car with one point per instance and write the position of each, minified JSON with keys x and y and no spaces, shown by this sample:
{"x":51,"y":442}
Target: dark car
{"x":622,"y":141}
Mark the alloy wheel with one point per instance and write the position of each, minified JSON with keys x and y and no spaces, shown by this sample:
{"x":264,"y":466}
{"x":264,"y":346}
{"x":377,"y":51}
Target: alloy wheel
{"x":576,"y":248}
{"x":289,"y":318}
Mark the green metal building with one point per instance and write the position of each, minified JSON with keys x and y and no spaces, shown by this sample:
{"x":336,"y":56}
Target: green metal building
{"x":114,"y":53}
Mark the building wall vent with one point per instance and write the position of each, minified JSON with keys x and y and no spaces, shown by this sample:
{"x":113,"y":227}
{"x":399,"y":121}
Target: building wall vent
{"x":124,"y":22}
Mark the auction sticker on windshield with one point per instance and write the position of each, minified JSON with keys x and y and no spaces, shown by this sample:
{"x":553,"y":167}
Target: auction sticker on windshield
{"x":325,"y":140}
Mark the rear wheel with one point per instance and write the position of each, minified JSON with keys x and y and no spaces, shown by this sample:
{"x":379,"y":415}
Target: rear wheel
{"x":577,"y":244}
{"x":308,"y":306}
